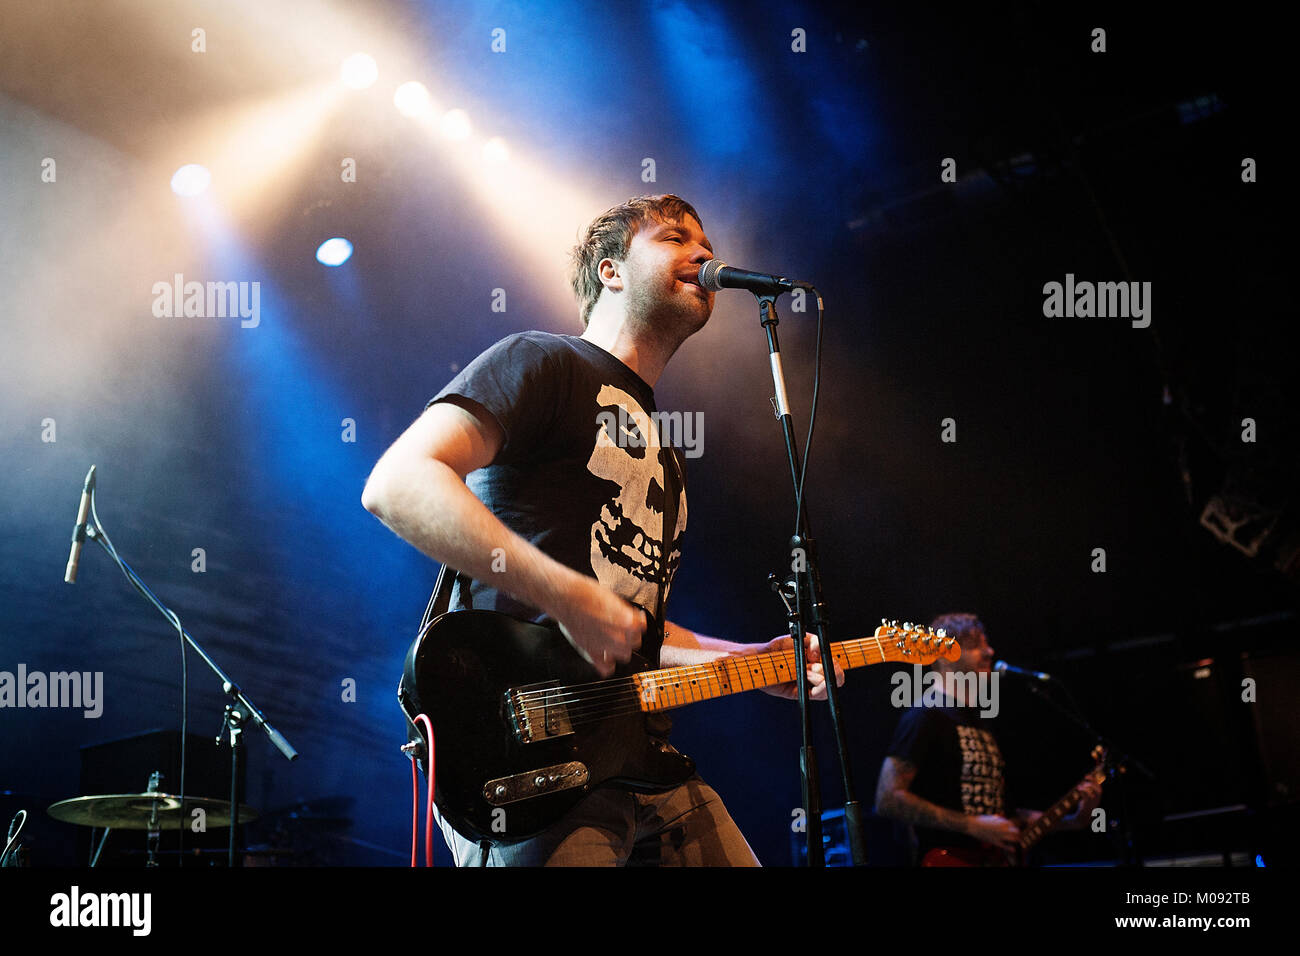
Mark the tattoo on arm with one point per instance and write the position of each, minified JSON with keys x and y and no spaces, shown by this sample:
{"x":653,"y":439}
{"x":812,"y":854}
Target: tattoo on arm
{"x":895,"y":800}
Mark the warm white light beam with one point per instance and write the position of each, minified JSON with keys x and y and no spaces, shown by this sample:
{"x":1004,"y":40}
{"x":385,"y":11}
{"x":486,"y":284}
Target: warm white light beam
{"x":255,"y":147}
{"x":413,"y":100}
{"x":456,"y":125}
{"x":359,"y":71}
{"x":538,"y":213}
{"x":190,"y":180}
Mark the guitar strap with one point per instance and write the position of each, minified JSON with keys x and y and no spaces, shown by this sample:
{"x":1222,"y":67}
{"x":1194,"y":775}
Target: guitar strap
{"x":440,"y":599}
{"x":438,"y":604}
{"x":442,"y":590}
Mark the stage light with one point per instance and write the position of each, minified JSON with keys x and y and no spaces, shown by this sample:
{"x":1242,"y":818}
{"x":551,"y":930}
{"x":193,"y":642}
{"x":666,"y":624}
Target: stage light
{"x":495,"y":150}
{"x":334,"y":252}
{"x":456,"y":125}
{"x":412,"y":99}
{"x":359,"y":71}
{"x":190,"y":180}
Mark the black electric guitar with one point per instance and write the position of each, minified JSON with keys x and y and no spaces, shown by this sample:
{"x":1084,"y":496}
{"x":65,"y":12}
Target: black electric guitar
{"x":522,"y":732}
{"x":988,"y":855}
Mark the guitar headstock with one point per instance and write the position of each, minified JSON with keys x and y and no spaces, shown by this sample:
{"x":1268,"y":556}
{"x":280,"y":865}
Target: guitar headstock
{"x":914,"y":644}
{"x":1101,"y":771}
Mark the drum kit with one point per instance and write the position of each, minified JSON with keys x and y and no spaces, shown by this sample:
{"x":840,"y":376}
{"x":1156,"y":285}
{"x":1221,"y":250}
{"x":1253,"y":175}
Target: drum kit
{"x":151,"y":811}
{"x":297,"y":834}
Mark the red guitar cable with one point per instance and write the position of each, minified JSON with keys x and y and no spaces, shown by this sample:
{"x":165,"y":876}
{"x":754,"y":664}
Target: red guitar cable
{"x":415,"y":798}
{"x":415,"y":807}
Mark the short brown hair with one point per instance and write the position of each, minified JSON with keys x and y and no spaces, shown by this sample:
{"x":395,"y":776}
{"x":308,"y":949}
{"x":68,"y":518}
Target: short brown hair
{"x":609,"y":236}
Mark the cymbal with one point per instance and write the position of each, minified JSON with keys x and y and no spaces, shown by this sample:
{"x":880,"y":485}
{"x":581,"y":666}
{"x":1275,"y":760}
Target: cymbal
{"x":131,"y":811}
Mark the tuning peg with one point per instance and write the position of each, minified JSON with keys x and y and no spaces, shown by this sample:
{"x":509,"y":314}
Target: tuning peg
{"x":941,"y":632}
{"x":884,"y":621}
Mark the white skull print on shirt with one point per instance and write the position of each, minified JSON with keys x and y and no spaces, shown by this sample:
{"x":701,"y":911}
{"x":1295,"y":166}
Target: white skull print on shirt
{"x":580,"y":474}
{"x":627,"y":551}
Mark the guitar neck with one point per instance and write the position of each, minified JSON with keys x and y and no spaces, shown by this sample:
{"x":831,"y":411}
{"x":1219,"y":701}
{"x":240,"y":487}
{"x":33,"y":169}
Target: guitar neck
{"x":671,"y":687}
{"x":1054,"y":814}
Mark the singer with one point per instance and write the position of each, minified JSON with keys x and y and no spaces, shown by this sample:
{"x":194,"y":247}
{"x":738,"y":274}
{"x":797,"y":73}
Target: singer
{"x":513,"y":476}
{"x":944,"y":772}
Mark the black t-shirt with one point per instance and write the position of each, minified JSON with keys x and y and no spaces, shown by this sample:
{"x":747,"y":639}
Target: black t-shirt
{"x":959,"y":765}
{"x":582,"y":473}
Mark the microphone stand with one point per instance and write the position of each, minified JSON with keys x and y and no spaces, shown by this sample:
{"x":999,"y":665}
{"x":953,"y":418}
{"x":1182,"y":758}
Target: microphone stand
{"x":240,"y":707}
{"x":808,"y":614}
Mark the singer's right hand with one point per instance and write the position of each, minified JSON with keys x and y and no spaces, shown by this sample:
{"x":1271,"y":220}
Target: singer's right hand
{"x":991,"y":828}
{"x":600,"y":625}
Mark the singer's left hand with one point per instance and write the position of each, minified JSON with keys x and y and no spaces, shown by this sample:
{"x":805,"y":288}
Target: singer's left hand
{"x":1089,"y":800}
{"x":816,"y":672}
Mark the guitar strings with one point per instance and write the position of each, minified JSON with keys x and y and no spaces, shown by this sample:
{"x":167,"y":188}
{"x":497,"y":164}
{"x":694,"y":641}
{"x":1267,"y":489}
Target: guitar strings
{"x":568,"y":692}
{"x":581,"y":710}
{"x":619,"y":688}
{"x":616,"y":694}
{"x":624,"y":704}
{"x":621,"y":696}
{"x":585,"y":709}
{"x":574,"y":692}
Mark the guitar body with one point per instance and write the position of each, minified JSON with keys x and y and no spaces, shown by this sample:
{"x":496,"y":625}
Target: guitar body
{"x":969,"y":856}
{"x":515,"y":748}
{"x":987,"y":855}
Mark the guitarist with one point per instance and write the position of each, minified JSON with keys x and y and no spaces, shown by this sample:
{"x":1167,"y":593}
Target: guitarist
{"x":944,"y":772}
{"x":539,"y":474}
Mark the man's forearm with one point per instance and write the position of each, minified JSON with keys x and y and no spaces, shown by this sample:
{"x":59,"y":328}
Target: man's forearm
{"x":907,"y":807}
{"x":683,"y":647}
{"x":427,"y":504}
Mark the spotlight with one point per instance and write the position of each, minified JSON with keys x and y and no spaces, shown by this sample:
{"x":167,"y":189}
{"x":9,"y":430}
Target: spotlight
{"x":412,"y":99}
{"x":359,"y":71}
{"x":456,"y":125}
{"x":334,"y":252}
{"x":190,"y":180}
{"x":496,"y":151}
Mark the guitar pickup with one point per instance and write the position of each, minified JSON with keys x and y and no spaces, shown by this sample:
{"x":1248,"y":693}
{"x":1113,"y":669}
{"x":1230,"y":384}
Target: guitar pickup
{"x":534,"y":783}
{"x":538,"y":712}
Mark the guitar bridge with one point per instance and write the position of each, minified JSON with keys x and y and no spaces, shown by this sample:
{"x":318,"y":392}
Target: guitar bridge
{"x":521,"y":786}
{"x":538,"y":712}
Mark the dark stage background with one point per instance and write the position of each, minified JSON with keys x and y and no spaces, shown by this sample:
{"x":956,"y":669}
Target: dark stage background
{"x":1072,"y":434}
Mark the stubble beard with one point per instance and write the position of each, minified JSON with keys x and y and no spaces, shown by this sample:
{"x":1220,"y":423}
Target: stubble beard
{"x":667,"y":317}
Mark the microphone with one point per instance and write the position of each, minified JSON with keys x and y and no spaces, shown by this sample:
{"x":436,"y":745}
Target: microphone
{"x":79,"y":532}
{"x":716,"y":275}
{"x":1006,"y":668}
